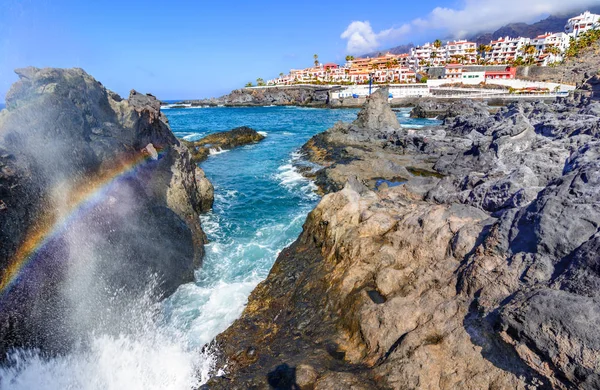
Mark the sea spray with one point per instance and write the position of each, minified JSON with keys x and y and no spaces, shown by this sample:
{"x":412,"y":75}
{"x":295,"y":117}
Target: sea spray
{"x":261,"y":202}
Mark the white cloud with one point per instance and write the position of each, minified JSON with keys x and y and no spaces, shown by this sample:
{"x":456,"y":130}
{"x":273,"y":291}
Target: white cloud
{"x":475,"y":16}
{"x":361,"y":37}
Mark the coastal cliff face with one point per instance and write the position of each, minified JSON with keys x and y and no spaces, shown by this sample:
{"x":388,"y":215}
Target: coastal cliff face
{"x":313,"y":96}
{"x":458,"y":256}
{"x":98,"y":197}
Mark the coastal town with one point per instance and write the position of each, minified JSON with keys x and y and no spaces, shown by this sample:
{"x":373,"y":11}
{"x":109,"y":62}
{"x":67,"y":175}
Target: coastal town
{"x":458,"y":61}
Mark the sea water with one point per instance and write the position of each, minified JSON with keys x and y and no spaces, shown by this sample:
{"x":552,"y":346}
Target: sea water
{"x":261,"y":202}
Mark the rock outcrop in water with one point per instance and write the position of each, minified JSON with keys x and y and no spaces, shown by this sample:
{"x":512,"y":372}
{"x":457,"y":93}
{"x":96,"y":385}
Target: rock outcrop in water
{"x":479,"y":271}
{"x":224,"y":140}
{"x":98,"y":198}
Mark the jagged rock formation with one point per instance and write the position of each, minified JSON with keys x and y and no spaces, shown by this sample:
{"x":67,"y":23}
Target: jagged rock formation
{"x":433,"y":108}
{"x":234,"y":138}
{"x":304,"y":95}
{"x":98,"y":196}
{"x":480,"y":271}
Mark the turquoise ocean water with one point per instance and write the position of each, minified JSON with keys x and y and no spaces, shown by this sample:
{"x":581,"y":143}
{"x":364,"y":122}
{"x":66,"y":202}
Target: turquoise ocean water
{"x":261,"y":202}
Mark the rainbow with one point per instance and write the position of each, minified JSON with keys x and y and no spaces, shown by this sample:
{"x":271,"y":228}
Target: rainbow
{"x":83,"y":196}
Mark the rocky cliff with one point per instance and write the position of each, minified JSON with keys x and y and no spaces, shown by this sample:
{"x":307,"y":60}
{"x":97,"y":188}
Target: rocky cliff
{"x":458,"y":256}
{"x":98,"y":197}
{"x":301,"y":95}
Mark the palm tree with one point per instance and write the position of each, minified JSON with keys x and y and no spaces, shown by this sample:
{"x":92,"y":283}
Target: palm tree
{"x":395,"y":62}
{"x":316,"y":58}
{"x":349,"y":58}
{"x":260,"y":82}
{"x":481,"y":50}
{"x":553,"y":50}
{"x":281,"y":74}
{"x":518,"y":61}
{"x":437,"y":43}
{"x":528,"y":49}
{"x":248,"y":84}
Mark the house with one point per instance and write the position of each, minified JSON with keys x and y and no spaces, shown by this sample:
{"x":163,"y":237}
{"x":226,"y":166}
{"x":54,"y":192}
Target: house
{"x":507,"y":49}
{"x":461,"y":51}
{"x":508,"y":73}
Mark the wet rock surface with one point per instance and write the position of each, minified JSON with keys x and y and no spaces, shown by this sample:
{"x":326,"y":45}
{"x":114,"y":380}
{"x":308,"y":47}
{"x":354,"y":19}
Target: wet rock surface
{"x":98,"y":195}
{"x":225,"y":140}
{"x":480,"y":270}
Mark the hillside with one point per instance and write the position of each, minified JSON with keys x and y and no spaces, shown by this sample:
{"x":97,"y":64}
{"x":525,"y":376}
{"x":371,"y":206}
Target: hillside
{"x":401,"y":49}
{"x":553,"y":23}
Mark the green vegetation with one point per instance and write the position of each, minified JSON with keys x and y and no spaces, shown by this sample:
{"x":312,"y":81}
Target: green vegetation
{"x":260,"y":82}
{"x":349,"y":58}
{"x":316,"y":58}
{"x":585,"y":40}
{"x":249,"y":84}
{"x":437,"y":43}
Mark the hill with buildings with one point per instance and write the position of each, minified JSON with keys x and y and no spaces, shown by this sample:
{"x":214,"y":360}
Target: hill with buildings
{"x":552,"y":23}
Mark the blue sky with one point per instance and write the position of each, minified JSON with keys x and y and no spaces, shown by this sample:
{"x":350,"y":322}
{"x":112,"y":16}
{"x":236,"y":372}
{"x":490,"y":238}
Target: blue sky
{"x":192,"y":49}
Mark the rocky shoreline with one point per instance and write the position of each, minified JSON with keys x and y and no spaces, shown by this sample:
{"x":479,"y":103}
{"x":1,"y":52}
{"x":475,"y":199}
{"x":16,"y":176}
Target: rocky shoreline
{"x":457,"y":256}
{"x":305,"y":95}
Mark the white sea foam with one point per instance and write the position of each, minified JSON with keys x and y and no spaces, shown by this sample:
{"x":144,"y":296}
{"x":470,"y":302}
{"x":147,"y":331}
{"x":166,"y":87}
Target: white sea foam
{"x":290,"y":178}
{"x":412,"y":126}
{"x":263,"y":133}
{"x":207,"y":311}
{"x":175,"y":105}
{"x":215,"y":151}
{"x":192,"y":137}
{"x":156,"y":355}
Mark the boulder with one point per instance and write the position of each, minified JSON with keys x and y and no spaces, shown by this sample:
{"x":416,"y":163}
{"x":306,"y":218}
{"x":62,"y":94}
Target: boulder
{"x":100,"y":199}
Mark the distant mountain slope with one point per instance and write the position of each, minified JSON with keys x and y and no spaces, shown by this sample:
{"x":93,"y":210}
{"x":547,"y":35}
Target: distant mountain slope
{"x":553,"y":23}
{"x":394,"y":50}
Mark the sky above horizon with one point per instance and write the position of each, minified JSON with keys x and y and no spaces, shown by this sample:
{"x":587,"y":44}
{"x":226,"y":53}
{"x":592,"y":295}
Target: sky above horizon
{"x":195,"y":49}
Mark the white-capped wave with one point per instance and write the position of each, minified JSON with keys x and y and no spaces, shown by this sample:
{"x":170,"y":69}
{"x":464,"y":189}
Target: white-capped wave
{"x":176,"y":105}
{"x":215,"y":151}
{"x":406,"y":126}
{"x":156,"y":355}
{"x":192,"y":137}
{"x":263,"y":133}
{"x":290,"y":178}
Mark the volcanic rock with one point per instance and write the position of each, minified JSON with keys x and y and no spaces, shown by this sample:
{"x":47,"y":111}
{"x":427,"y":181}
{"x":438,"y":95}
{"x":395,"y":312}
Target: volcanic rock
{"x":474,"y":266}
{"x":100,"y":199}
{"x":225,"y":140}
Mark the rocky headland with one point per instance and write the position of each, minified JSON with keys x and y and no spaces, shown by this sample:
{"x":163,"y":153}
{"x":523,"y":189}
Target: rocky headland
{"x":99,"y":201}
{"x":463,"y":255}
{"x":301,"y":95}
{"x":225,"y":140}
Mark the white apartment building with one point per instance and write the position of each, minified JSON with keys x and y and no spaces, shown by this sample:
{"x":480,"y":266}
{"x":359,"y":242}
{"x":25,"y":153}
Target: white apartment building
{"x":461,"y":49}
{"x":580,"y":24}
{"x":543,"y":44}
{"x":394,"y":75}
{"x":506,"y":49}
{"x":428,"y":54}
